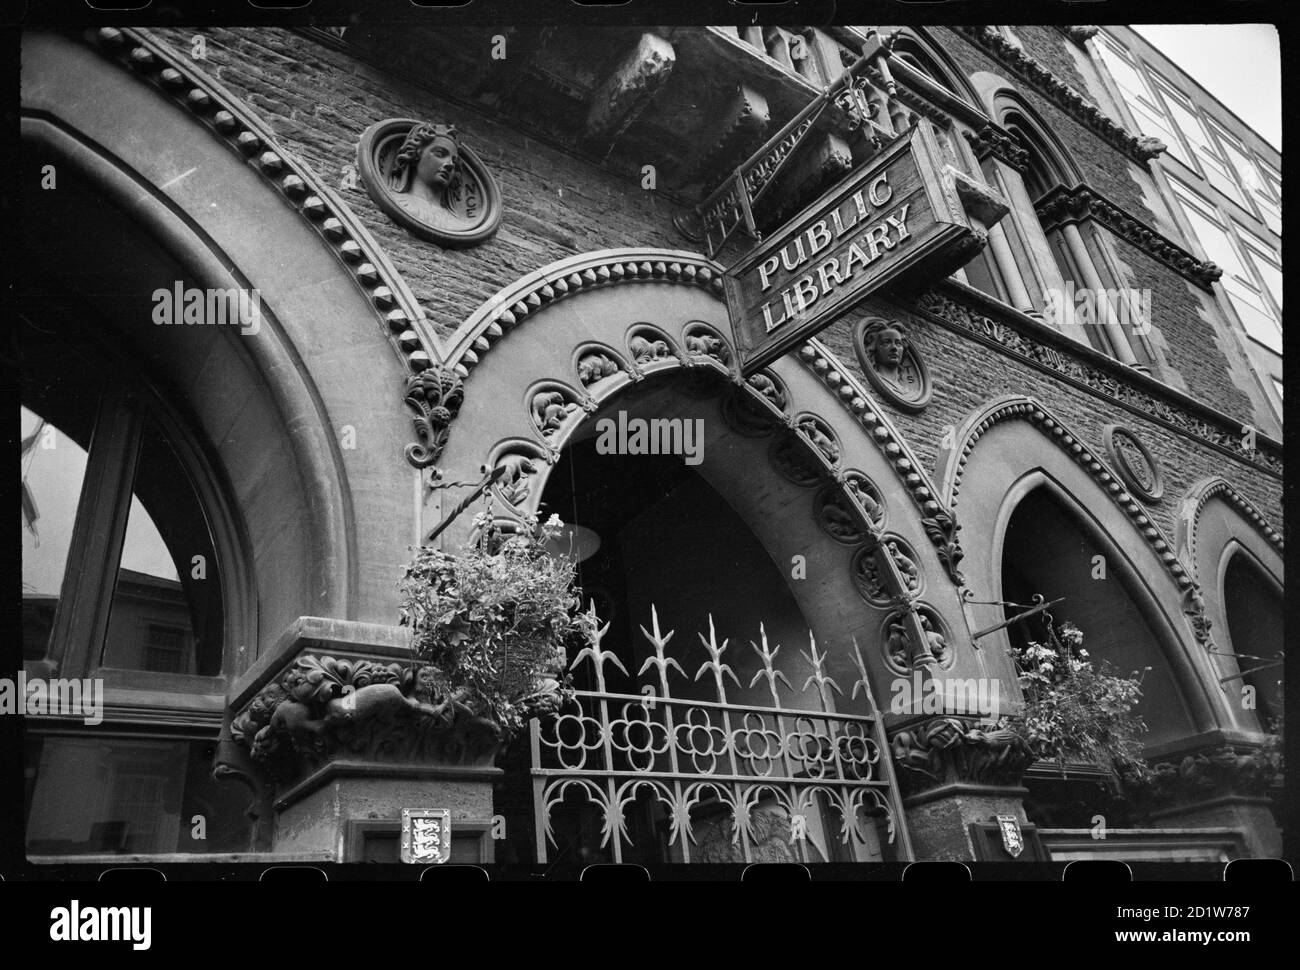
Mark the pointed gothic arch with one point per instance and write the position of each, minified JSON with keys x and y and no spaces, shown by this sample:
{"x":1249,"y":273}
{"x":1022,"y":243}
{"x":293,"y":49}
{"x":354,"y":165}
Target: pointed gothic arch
{"x":1235,"y":558}
{"x":1013,"y":445}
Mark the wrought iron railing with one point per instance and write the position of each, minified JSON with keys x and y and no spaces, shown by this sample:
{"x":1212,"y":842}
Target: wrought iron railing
{"x":715,"y":780}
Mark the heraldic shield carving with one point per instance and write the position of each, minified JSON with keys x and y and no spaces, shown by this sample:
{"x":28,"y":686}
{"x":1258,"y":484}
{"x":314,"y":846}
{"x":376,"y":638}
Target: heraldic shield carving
{"x":427,"y":180}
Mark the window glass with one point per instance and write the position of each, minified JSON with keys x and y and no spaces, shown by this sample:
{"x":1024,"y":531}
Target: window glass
{"x":1141,"y":99}
{"x":1244,"y":293}
{"x":54,"y":435}
{"x":1267,"y":263}
{"x":166,"y":611}
{"x":112,"y":795}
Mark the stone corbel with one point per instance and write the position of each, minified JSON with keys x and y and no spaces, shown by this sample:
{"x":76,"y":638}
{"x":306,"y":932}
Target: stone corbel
{"x":944,"y":751}
{"x":337,"y":694}
{"x":629,"y":88}
{"x":995,"y":140}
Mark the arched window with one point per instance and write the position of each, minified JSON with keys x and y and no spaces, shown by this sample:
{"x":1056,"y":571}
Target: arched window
{"x":1047,"y":552}
{"x":123,"y":596}
{"x":1252,"y":603}
{"x":662,"y":552}
{"x":1053,"y":264}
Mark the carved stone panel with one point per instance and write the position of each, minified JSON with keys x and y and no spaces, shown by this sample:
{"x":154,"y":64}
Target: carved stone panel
{"x":1136,"y":466}
{"x":891,"y":363}
{"x":427,"y":180}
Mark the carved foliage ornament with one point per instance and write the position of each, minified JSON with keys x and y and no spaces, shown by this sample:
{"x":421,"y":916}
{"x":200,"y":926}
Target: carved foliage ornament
{"x":891,"y":363}
{"x":427,"y":180}
{"x":435,"y":396}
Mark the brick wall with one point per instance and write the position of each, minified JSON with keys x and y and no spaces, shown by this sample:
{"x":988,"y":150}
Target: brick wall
{"x":318,"y":100}
{"x":967,"y":374}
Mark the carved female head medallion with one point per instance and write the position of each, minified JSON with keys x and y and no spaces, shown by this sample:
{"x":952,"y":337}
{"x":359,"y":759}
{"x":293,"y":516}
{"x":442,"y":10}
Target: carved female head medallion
{"x":427,"y":180}
{"x":891,"y":363}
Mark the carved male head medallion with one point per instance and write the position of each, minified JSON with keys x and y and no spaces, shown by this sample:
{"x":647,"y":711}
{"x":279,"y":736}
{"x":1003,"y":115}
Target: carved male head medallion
{"x":891,"y":362}
{"x":427,"y":180}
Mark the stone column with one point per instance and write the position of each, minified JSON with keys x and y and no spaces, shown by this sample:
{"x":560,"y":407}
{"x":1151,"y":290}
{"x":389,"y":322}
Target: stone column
{"x":954,"y":774}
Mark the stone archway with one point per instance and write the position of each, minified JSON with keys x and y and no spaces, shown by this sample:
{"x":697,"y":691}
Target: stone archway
{"x":1219,"y":532}
{"x":799,"y":450}
{"x":1013,"y":445}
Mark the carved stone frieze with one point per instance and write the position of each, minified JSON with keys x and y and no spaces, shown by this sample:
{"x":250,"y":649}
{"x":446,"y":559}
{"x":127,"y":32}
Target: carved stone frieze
{"x":324,"y":707}
{"x":1212,"y":773}
{"x":952,"y":750}
{"x":1128,"y":393}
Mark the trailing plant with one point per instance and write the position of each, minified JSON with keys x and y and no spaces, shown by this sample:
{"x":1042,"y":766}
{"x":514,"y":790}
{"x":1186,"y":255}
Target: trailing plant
{"x":495,"y":620}
{"x":1075,"y":710}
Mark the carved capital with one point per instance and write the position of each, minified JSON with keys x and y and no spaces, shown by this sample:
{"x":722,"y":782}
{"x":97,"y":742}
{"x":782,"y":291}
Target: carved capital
{"x":1226,"y":770}
{"x":349,"y":691}
{"x":435,"y":396}
{"x":997,"y":141}
{"x":952,"y":750}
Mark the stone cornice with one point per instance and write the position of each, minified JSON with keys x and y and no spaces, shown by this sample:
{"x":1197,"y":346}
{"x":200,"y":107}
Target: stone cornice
{"x":1139,"y":148}
{"x":1074,"y":204}
{"x":212,"y":106}
{"x":966,"y":310}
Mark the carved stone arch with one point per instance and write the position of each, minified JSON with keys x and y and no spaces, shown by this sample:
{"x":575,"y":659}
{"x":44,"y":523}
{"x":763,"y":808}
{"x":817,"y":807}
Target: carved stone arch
{"x":1014,"y":445}
{"x":1216,"y":524}
{"x":192,"y":168}
{"x":1009,"y":109}
{"x":934,"y":57}
{"x":810,"y":388}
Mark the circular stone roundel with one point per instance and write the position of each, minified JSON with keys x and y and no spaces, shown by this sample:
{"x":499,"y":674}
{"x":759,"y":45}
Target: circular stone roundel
{"x":427,"y":180}
{"x":891,"y":363}
{"x":1136,"y":467}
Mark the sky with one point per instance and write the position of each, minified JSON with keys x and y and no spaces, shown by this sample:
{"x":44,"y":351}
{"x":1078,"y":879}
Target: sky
{"x":1240,"y":64}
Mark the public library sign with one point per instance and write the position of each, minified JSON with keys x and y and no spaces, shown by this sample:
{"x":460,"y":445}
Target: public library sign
{"x":900,"y":216}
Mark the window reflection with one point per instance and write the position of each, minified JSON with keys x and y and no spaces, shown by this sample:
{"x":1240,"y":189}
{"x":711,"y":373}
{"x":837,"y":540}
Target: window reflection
{"x":109,"y":795}
{"x":166,"y":612}
{"x":53,"y":467}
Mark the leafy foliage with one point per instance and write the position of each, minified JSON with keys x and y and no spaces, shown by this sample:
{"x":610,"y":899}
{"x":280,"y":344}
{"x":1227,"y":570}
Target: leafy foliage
{"x":1075,"y":711}
{"x":496,"y":620}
